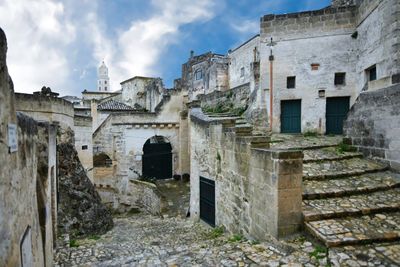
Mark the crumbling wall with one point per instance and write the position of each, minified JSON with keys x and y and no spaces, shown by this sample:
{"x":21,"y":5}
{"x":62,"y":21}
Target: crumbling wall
{"x":373,"y":125}
{"x":81,"y":212}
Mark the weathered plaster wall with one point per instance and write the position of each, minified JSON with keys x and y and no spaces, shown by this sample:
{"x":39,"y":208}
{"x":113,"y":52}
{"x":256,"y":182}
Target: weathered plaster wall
{"x":315,"y":37}
{"x":378,"y":41}
{"x":42,"y":108}
{"x":258,"y":191}
{"x":243,"y":57}
{"x":26,"y":217}
{"x":133,"y":91}
{"x":83,"y":137}
{"x":373,"y":125}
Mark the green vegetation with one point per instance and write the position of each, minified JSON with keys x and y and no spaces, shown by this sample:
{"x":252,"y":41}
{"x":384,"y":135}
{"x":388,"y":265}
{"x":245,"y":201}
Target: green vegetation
{"x":235,"y":238}
{"x":310,"y":134}
{"x":73,"y":243}
{"x":319,"y":252}
{"x":224,"y":108}
{"x":341,"y":148}
{"x":216,"y":232}
{"x":218,"y":156}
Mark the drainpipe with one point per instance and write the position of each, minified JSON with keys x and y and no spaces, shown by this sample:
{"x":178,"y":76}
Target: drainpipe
{"x":271,"y":84}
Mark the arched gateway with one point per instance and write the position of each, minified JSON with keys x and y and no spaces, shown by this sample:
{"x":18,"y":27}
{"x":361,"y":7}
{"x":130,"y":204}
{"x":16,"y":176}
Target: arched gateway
{"x":157,"y":158}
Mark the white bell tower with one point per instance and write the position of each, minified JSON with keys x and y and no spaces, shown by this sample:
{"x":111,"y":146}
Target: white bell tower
{"x":103,"y":81}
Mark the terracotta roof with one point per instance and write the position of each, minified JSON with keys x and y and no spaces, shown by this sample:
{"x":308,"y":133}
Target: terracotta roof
{"x":113,"y":105}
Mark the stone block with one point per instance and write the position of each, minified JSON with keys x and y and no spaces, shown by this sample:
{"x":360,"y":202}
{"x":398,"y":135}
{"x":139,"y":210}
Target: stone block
{"x":290,"y":181}
{"x":288,"y":166}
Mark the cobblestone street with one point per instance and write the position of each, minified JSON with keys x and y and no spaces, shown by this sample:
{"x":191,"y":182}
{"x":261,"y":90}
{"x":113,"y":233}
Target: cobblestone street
{"x":145,"y":240}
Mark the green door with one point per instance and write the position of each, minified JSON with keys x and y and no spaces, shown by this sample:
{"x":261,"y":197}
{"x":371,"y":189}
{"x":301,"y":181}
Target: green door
{"x":291,"y":116}
{"x":336,"y":111}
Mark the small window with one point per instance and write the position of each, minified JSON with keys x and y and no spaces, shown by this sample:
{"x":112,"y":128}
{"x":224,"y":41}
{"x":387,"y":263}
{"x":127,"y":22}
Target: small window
{"x":84,"y":147}
{"x":242,"y":72}
{"x":371,"y":72}
{"x":340,"y":78}
{"x":99,"y":82}
{"x":105,"y":82}
{"x":100,"y":88}
{"x":105,"y":88}
{"x":198,"y":74}
{"x":315,"y":66}
{"x":291,"y":82}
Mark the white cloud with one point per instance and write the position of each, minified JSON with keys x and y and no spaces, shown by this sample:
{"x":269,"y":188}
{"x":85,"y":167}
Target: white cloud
{"x":246,"y":26}
{"x":138,"y":49}
{"x":45,"y":37}
{"x":38,"y":33}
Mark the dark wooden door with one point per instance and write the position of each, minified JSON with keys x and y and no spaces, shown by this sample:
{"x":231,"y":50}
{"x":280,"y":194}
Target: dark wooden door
{"x":207,"y":200}
{"x":291,"y":116}
{"x":336,"y":111}
{"x":157,"y":161}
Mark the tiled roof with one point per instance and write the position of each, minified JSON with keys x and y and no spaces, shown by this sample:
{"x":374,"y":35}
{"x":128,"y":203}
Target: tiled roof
{"x":113,"y":105}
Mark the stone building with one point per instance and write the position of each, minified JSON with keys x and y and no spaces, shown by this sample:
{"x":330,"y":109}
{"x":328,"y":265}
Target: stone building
{"x":28,"y":186}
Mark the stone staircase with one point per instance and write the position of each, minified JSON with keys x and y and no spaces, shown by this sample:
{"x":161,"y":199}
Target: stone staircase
{"x":348,"y":200}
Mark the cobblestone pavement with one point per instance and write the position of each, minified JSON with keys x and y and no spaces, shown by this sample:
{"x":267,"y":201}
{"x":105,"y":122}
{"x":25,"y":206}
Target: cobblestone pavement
{"x":290,"y":141}
{"x":145,"y":240}
{"x":177,"y":195}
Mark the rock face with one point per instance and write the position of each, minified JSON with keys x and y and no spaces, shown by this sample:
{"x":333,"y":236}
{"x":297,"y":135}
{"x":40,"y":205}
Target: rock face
{"x":81,"y":212}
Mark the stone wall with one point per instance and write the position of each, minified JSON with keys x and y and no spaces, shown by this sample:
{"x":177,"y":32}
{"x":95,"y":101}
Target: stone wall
{"x":373,"y":125}
{"x":236,"y":97}
{"x":84,"y":142}
{"x":44,"y":108}
{"x":258,"y":191}
{"x":27,"y":181}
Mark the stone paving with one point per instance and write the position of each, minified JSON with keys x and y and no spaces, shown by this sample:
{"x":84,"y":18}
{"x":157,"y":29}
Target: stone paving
{"x":350,"y":185}
{"x":385,"y":254}
{"x":367,"y":228}
{"x":145,"y":240}
{"x":290,"y":141}
{"x":334,"y":169}
{"x":328,"y":153}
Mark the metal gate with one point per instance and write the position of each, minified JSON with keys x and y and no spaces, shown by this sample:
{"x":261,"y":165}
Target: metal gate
{"x":336,"y":112}
{"x":157,"y":160}
{"x":291,"y":116}
{"x":207,"y":201}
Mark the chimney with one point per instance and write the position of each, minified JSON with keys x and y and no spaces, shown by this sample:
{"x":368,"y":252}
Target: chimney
{"x":191,"y":53}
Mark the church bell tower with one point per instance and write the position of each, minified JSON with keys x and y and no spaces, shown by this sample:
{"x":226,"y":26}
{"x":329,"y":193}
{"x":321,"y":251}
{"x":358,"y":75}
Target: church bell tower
{"x":103,"y":81}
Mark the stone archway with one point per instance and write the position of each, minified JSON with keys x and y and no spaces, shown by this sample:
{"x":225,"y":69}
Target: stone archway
{"x":157,"y":158}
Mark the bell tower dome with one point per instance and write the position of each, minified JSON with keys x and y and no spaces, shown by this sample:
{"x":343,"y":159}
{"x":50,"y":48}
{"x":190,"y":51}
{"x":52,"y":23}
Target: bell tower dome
{"x":103,"y":81}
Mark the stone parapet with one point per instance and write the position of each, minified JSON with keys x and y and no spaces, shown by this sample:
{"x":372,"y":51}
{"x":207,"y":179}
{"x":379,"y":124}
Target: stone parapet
{"x":258,"y":190}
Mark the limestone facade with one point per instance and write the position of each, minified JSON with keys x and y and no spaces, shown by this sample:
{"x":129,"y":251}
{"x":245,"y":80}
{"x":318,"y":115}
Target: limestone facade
{"x":28,"y":181}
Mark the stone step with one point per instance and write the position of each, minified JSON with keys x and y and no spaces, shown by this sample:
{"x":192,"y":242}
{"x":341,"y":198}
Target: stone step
{"x":328,"y":154}
{"x":337,"y":207}
{"x":366,"y":183}
{"x":371,"y":228}
{"x":343,"y":168}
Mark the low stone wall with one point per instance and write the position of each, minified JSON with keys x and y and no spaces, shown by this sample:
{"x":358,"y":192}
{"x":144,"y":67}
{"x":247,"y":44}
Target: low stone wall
{"x":258,"y":190}
{"x":135,"y":194}
{"x":373,"y":125}
{"x":238,"y":96}
{"x":44,"y":108}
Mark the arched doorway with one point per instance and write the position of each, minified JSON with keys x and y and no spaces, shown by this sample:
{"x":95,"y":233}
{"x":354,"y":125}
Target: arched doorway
{"x":157,"y":158}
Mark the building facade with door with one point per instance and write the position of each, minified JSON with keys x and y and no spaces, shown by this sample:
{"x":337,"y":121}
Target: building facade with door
{"x":323,"y":60}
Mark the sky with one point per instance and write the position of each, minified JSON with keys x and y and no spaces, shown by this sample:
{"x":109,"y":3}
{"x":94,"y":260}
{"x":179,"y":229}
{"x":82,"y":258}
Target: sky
{"x":61,"y":43}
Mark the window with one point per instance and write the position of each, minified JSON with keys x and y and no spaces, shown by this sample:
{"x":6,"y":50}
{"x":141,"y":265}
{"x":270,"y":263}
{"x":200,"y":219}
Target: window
{"x":198,"y":75}
{"x":105,"y":82}
{"x":84,"y":147}
{"x":99,"y":82}
{"x":340,"y":78}
{"x":314,"y":66}
{"x":99,"y":88}
{"x":371,"y":73}
{"x":105,"y":88}
{"x":242,"y":72}
{"x":291,"y":82}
